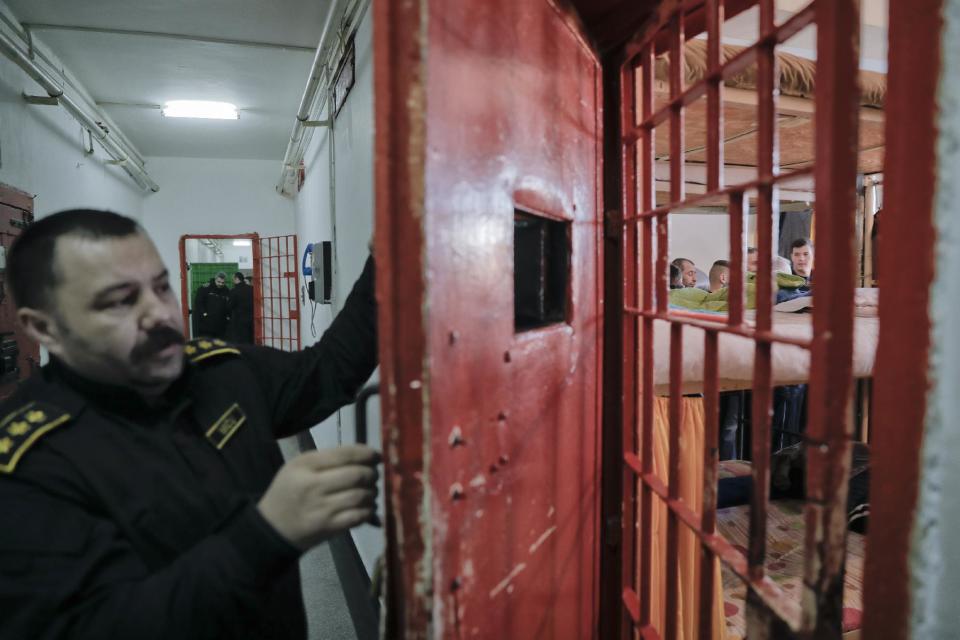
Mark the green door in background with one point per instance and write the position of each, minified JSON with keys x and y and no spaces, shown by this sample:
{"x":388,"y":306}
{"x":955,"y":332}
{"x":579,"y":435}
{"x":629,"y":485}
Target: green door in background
{"x":202,"y":272}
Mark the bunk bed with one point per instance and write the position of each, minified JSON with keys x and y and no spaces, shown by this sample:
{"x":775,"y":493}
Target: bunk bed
{"x":791,"y":364}
{"x":735,"y":353}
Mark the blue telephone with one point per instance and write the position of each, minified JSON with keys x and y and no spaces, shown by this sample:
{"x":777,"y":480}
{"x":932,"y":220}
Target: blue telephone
{"x":306,"y":266}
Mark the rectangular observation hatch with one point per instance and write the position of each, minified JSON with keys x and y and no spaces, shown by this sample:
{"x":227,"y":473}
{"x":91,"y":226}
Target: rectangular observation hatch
{"x":541,"y":270}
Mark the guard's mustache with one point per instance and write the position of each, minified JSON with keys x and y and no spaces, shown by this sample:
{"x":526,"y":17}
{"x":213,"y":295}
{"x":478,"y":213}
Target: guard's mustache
{"x":157,"y":340}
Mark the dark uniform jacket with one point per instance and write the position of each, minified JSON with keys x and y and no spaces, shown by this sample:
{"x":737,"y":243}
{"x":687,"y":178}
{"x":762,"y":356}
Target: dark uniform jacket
{"x":240,"y":329}
{"x":125,"y":521}
{"x":212,"y":309}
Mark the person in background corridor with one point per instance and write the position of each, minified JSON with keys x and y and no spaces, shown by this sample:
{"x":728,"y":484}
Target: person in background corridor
{"x":240,"y":327}
{"x":212,"y":308}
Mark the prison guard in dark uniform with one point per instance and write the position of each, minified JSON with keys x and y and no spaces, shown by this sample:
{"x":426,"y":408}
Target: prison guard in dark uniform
{"x":118,"y":520}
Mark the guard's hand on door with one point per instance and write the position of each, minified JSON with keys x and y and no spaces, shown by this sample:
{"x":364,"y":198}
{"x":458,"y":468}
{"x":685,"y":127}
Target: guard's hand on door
{"x":320,"y":493}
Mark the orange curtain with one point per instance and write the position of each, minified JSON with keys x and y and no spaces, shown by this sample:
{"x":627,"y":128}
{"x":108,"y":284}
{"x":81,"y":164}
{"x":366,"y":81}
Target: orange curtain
{"x":691,"y":491}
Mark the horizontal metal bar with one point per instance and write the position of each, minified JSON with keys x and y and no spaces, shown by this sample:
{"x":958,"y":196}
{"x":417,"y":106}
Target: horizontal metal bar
{"x":699,"y":321}
{"x":772,"y":595}
{"x":167,"y":36}
{"x":692,"y":201}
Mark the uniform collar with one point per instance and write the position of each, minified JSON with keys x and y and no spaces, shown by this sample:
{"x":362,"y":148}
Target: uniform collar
{"x":114,"y":398}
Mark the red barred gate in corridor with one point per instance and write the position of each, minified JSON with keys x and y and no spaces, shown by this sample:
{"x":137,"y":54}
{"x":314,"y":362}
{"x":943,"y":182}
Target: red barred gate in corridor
{"x":277,"y":299}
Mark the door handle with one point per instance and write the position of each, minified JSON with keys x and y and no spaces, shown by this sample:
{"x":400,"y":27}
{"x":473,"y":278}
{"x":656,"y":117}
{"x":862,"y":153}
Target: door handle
{"x":360,"y":424}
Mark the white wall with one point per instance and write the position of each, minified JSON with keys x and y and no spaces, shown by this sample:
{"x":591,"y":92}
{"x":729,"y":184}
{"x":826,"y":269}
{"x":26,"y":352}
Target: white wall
{"x":212,"y":196}
{"x":349,"y":222}
{"x":243,"y":256}
{"x":701,"y":237}
{"x":197,"y":251}
{"x":41,"y":152}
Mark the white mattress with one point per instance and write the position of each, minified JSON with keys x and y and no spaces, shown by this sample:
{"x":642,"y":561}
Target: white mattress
{"x":791,"y":365}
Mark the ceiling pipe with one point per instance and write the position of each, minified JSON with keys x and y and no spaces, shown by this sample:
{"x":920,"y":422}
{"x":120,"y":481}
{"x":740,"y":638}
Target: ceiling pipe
{"x":318,"y":70}
{"x":93,"y":123}
{"x":25,"y":35}
{"x":166,"y":35}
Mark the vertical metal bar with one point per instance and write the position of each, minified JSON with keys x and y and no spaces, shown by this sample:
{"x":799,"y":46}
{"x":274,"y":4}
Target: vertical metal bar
{"x":675,"y":29}
{"x":767,"y":166}
{"x":673,"y":482}
{"x":714,"y":96}
{"x":760,"y":457}
{"x":917,"y":65}
{"x":830,"y":418}
{"x":661,"y":277}
{"x":257,"y":292}
{"x":296,"y":289}
{"x":630,"y":359}
{"x":278,"y":295}
{"x":282,"y":293}
{"x":647,"y":195}
{"x":711,"y":403}
{"x":866,"y":408}
{"x":275,"y":294}
{"x":737,"y":243}
{"x":185,"y":301}
{"x":291,"y":295}
{"x":676,"y":114}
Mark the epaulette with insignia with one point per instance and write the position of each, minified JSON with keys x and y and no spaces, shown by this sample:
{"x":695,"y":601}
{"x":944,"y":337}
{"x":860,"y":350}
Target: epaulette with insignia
{"x":200,"y":349}
{"x":21,"y":429}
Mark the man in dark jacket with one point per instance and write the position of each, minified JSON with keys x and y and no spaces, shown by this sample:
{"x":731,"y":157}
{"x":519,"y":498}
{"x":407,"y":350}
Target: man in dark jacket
{"x":142,"y":491}
{"x":212,"y":308}
{"x":240,"y":328}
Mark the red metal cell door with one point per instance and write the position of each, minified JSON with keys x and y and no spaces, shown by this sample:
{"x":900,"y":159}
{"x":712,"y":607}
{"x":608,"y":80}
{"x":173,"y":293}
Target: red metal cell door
{"x":772,"y":611}
{"x":276,"y":319}
{"x":488,"y":243}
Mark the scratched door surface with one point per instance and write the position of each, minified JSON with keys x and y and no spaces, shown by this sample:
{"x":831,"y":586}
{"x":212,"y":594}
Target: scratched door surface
{"x":487,"y":244}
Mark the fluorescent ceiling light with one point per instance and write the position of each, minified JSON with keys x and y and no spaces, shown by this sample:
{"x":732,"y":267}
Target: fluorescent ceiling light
{"x":200,"y":109}
{"x":242,"y":243}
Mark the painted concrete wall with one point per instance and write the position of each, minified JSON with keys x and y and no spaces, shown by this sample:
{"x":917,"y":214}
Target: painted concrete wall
{"x":348,"y":221}
{"x":701,"y":237}
{"x":197,"y":252}
{"x":212,"y":196}
{"x":41,"y":152}
{"x":935,"y":560}
{"x":704,"y":237}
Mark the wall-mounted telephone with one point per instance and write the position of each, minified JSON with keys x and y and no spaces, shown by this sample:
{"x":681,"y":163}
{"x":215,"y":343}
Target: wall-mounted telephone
{"x":317,"y":264}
